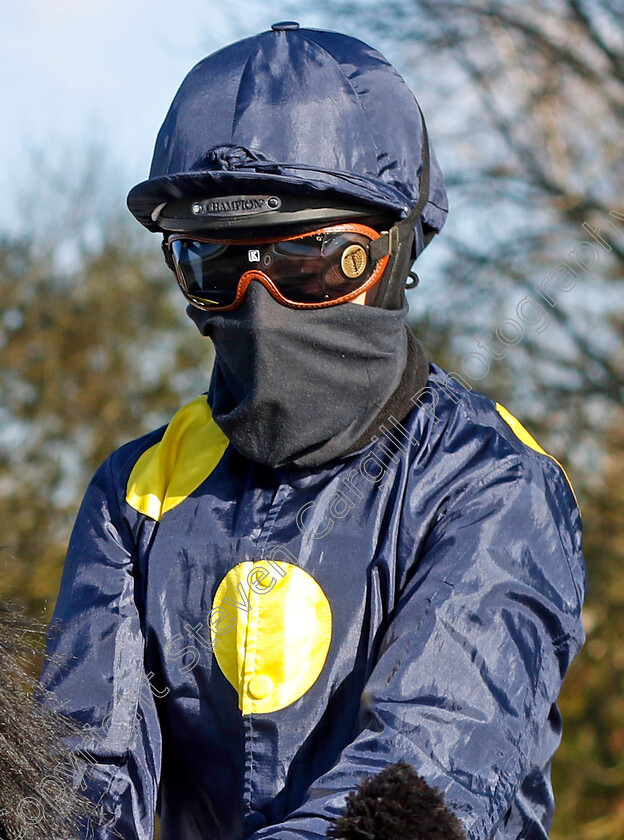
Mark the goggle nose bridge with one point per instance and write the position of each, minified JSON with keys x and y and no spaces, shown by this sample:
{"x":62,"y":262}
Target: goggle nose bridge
{"x":246,"y":278}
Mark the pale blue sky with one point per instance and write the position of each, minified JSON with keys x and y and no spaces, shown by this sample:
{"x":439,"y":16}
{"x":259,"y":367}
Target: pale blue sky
{"x":76,"y":70}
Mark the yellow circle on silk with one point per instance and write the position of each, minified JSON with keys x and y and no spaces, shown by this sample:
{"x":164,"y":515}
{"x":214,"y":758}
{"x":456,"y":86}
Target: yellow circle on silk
{"x":271,"y":627}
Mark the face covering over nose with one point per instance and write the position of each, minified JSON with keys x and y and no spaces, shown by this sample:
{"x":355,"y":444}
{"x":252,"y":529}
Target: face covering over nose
{"x":304,"y":386}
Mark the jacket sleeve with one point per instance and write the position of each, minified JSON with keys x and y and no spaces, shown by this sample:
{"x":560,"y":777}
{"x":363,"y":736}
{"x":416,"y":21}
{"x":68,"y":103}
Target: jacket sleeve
{"x":94,"y":670}
{"x":470,"y":667}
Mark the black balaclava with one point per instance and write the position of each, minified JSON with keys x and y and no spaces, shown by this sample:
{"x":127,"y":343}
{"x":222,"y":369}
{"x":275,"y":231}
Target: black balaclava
{"x":308,"y":386}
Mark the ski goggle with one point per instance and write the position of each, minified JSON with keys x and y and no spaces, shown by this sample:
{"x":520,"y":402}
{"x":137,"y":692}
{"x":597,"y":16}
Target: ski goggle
{"x":307,"y":271}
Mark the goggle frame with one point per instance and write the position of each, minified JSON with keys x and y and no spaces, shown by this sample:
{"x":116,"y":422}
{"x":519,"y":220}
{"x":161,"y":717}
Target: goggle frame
{"x":255,"y":274}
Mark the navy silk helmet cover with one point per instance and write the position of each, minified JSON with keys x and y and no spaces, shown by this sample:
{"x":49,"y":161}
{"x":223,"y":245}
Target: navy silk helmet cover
{"x":297,"y":111}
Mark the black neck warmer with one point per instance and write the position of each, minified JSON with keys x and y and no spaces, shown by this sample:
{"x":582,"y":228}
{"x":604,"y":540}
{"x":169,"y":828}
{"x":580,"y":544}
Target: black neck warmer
{"x":308,"y":386}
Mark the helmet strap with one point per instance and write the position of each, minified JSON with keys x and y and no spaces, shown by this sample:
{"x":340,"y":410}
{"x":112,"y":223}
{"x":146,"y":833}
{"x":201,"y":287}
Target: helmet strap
{"x":389,"y":242}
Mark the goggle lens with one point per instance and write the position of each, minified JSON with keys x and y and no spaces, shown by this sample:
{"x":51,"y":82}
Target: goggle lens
{"x":202,"y":274}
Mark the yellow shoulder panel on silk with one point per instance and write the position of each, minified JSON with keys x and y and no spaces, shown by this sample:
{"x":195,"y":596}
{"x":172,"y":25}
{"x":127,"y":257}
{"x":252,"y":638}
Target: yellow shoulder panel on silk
{"x":170,"y":470}
{"x":520,"y":432}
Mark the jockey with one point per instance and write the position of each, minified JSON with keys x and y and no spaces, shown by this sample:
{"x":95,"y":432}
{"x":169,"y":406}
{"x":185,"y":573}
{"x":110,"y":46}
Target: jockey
{"x":340,"y":557}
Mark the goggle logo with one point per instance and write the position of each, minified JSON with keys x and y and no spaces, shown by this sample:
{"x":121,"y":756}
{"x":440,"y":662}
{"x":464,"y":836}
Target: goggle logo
{"x":353,"y":261}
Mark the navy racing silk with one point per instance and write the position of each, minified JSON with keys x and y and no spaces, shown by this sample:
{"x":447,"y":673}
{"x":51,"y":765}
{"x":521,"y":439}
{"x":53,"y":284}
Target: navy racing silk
{"x":243,"y":643}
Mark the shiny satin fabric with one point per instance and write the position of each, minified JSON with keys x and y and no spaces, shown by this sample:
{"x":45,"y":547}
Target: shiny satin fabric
{"x":300,"y":111}
{"x":423,"y":599}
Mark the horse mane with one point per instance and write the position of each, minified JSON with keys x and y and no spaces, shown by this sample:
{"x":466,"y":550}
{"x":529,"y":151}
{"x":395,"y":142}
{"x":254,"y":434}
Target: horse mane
{"x":396,"y":804}
{"x":37,"y":799}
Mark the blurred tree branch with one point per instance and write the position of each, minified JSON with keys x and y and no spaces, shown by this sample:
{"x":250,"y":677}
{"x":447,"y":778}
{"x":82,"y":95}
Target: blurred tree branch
{"x":95,"y":350}
{"x":526,"y":105}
